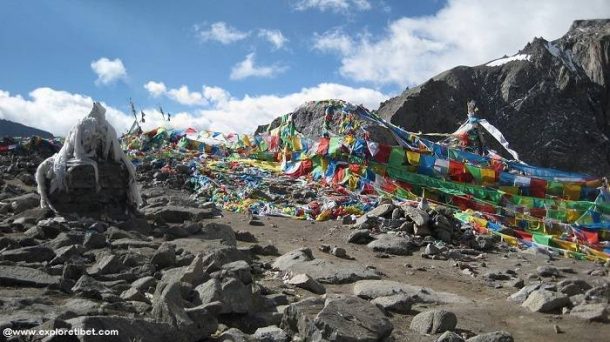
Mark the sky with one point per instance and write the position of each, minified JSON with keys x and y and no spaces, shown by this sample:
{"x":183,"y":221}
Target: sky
{"x":232,"y":65}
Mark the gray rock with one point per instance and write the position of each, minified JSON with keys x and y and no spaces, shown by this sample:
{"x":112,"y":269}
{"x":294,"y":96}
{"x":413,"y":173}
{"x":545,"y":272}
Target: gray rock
{"x":245,"y":236}
{"x":397,"y":213}
{"x":360,"y":236}
{"x":418,"y":216}
{"x":217,"y":231}
{"x":599,"y":293}
{"x":399,"y":303}
{"x":590,"y":312}
{"x":284,"y":262}
{"x":422,"y":230}
{"x":129,"y":329}
{"x":176,"y":214}
{"x":545,"y":301}
{"x":134,"y":294}
{"x":338,"y":252}
{"x":521,"y":295}
{"x":431,"y":249}
{"x":350,"y":318}
{"x":144,"y":283}
{"x":548,"y":271}
{"x":165,"y":256}
{"x":496,"y":336}
{"x":306,"y":282}
{"x":108,"y":264}
{"x":434,"y":321}
{"x":25,"y":276}
{"x":235,"y":296}
{"x":299,"y":317}
{"x":391,"y":244}
{"x":233,"y":335}
{"x":29,"y":254}
{"x":381,"y":210}
{"x":571,"y":287}
{"x":334,"y":271}
{"x":94,"y":240}
{"x":370,"y":289}
{"x":24,"y":202}
{"x":88,"y":287}
{"x":449,"y":336}
{"x":238,"y":269}
{"x":270,"y":334}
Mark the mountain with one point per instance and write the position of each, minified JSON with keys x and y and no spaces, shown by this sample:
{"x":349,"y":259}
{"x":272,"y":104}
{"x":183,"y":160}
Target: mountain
{"x":551,"y":99}
{"x":14,"y":129}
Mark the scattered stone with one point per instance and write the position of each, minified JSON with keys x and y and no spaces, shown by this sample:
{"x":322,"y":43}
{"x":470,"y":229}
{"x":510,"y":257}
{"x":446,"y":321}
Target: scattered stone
{"x":434,"y":321}
{"x":360,"y":236}
{"x":449,"y":336}
{"x":270,"y":334}
{"x":571,"y":287}
{"x":245,"y":236}
{"x":165,"y":256}
{"x":28,"y":254}
{"x":306,"y":282}
{"x":94,"y":240}
{"x":590,"y":312}
{"x":496,"y":336}
{"x":521,"y":295}
{"x":108,"y":264}
{"x":399,"y":303}
{"x":350,"y":318}
{"x":392,"y":245}
{"x":25,"y":276}
{"x":370,"y":289}
{"x":418,"y":216}
{"x":431,"y":249}
{"x":339,"y":252}
{"x":548,"y":271}
{"x":545,"y":301}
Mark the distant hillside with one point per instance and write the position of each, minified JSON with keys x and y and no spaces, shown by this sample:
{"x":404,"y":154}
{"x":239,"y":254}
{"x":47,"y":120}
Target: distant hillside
{"x":551,"y":99}
{"x":14,"y":129}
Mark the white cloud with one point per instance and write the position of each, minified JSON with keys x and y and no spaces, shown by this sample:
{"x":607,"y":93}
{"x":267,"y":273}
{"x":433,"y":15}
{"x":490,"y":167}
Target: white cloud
{"x":275,"y":37}
{"x":184,"y":96}
{"x":108,"y":71}
{"x":464,"y":32}
{"x":227,"y":113}
{"x":247,"y":68}
{"x":221,"y":32}
{"x":55,"y":111}
{"x":333,"y":41}
{"x":155,"y":89}
{"x":343,"y":6}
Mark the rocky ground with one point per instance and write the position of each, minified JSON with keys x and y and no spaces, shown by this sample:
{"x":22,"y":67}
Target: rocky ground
{"x":185,"y":271}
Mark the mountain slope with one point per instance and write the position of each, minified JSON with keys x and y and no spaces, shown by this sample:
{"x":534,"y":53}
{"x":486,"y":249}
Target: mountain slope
{"x":14,"y":129}
{"x":551,"y":100}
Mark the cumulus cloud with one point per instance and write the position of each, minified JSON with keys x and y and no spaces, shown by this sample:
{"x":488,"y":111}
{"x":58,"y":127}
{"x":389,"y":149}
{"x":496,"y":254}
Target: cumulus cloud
{"x":227,"y":113}
{"x":108,"y":71}
{"x":248,"y":68}
{"x":333,"y":5}
{"x":55,"y":111}
{"x":155,"y":89}
{"x":275,"y":37}
{"x":220,"y":32}
{"x":464,"y":32}
{"x":333,"y":41}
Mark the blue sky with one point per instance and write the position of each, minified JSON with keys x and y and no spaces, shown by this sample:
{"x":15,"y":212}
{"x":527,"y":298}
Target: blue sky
{"x":230,"y":65}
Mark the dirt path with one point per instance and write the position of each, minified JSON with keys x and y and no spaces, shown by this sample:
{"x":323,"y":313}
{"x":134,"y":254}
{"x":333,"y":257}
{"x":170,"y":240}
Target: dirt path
{"x":489,"y":310}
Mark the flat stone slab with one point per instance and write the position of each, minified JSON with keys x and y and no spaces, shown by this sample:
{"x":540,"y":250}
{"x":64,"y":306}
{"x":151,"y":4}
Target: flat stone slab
{"x":371,"y":289}
{"x":334,"y":272}
{"x":25,"y":276}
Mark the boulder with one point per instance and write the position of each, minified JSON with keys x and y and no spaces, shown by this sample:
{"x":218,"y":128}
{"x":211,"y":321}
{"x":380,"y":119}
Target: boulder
{"x":399,"y":303}
{"x":360,"y":236}
{"x":434,"y":321}
{"x":284,"y":262}
{"x":129,"y":329}
{"x":391,"y":244}
{"x":496,"y":336}
{"x":165,"y":256}
{"x":371,"y":289}
{"x":306,"y":282}
{"x":548,"y":271}
{"x":299,"y":317}
{"x":270,"y":334}
{"x":29,"y":254}
{"x":545,"y":301}
{"x":232,"y":293}
{"x":177,"y":214}
{"x":217,"y":231}
{"x":25,"y":276}
{"x":590,"y":312}
{"x":349,"y":318}
{"x":449,"y":336}
{"x":418,"y":216}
